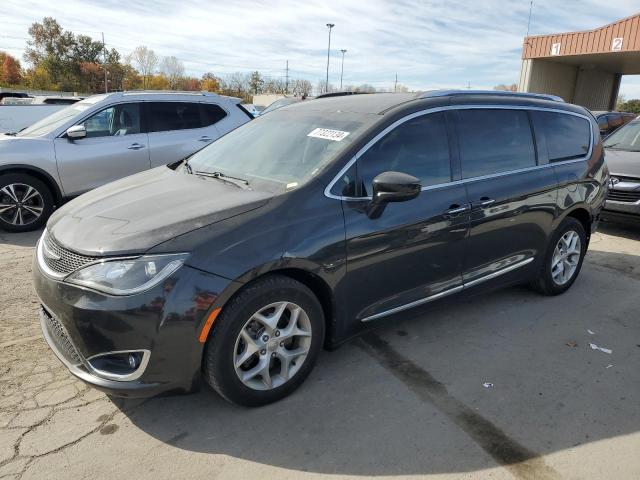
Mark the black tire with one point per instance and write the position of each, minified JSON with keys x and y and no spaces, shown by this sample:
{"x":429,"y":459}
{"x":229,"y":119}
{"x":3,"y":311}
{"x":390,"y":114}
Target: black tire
{"x":218,"y":362}
{"x":545,"y":283}
{"x":19,"y":184}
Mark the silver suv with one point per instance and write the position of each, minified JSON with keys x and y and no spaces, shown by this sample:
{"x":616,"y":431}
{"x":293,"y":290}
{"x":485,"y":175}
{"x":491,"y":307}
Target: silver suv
{"x":101,"y":139}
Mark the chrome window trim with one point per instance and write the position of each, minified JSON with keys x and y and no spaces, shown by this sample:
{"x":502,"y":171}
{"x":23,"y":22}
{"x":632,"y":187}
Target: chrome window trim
{"x":370,"y":143}
{"x":450,"y":291}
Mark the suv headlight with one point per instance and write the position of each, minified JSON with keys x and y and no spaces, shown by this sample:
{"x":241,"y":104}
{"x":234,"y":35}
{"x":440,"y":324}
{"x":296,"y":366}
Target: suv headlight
{"x":127,"y":276}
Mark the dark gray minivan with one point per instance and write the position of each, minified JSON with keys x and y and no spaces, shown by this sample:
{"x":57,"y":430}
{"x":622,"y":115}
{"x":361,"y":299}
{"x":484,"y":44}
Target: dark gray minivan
{"x":309,"y":225}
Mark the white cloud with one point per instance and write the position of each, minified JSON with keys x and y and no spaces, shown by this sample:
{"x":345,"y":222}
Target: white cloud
{"x":427,"y":43}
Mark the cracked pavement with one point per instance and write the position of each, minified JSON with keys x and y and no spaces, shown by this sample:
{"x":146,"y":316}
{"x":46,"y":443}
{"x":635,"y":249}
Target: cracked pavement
{"x":571,"y":410}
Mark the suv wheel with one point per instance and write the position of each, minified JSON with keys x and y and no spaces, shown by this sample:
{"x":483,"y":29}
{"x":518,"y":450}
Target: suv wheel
{"x":25,"y":202}
{"x":563,"y":259}
{"x":265,"y":342}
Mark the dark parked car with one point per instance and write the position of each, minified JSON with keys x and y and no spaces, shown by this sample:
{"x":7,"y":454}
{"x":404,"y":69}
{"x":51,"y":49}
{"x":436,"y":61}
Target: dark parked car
{"x":623,"y":157}
{"x":608,"y":122}
{"x":309,"y":225}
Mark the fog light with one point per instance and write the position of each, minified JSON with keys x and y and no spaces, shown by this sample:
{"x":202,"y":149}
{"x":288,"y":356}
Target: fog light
{"x":124,"y":366}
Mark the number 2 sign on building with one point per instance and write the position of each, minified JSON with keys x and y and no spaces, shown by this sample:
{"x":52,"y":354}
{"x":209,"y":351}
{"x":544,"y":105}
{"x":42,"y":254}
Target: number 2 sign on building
{"x":616,"y":44}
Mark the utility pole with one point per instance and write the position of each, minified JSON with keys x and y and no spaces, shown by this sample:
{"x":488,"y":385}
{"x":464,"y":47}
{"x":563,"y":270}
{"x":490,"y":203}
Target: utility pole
{"x":286,"y":84}
{"x":104,"y":65}
{"x":326,"y":84}
{"x":342,"y":67}
{"x":529,"y":22}
{"x":395,"y":85}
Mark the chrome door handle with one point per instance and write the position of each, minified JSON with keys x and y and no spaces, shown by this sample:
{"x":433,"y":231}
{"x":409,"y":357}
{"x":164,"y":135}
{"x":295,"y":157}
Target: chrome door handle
{"x":483,"y":202}
{"x":456,"y":209}
{"x":135,"y":146}
{"x":204,"y":139}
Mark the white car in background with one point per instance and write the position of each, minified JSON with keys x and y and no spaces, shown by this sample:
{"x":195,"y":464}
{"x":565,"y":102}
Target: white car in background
{"x":17,"y":113}
{"x":101,"y":139}
{"x":252,"y":109}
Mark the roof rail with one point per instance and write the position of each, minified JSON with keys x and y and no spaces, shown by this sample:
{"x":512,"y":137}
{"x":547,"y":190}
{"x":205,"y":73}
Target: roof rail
{"x":339,"y":94}
{"x":165,"y":92}
{"x":501,"y":93}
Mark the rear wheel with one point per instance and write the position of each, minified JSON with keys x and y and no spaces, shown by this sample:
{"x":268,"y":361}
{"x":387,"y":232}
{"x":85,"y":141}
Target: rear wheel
{"x":563,"y":259}
{"x":265,"y":342}
{"x":25,"y":202}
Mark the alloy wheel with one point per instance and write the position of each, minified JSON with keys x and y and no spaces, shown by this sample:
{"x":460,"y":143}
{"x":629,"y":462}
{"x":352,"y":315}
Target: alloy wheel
{"x":272,"y":346}
{"x":20,"y":204}
{"x":566,"y":257}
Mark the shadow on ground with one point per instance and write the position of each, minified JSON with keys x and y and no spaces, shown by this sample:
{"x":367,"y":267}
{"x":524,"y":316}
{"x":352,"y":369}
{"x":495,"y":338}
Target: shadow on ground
{"x":629,"y":229}
{"x":410,"y":399}
{"x":26,"y":239}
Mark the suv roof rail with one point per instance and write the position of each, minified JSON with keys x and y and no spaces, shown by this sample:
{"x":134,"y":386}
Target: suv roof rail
{"x":499,"y":93}
{"x":339,"y":94}
{"x":168,"y":92}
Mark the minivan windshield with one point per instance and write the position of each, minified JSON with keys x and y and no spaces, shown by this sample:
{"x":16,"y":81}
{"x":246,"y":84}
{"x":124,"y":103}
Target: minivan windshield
{"x":287,"y":147}
{"x":59,"y":118}
{"x":626,"y":138}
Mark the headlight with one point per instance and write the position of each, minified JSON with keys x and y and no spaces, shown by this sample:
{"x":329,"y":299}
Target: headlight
{"x":128,"y":276}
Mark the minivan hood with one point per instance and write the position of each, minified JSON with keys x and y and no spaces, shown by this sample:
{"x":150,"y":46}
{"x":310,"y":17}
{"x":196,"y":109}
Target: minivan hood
{"x":132,"y":215}
{"x":622,"y":162}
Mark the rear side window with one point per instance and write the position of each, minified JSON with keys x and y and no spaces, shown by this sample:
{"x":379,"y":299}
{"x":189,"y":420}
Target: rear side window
{"x":567,"y":136}
{"x":494,"y":141}
{"x":211,"y":113}
{"x":419,"y":147}
{"x":164,"y":116}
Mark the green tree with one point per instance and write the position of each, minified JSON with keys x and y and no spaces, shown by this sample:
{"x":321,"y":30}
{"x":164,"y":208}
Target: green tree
{"x":255,"y":83}
{"x":50,"y":48}
{"x":632,"y":106}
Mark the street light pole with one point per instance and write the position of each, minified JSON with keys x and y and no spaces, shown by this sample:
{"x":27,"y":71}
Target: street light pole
{"x":342,"y":67}
{"x":326,"y":85}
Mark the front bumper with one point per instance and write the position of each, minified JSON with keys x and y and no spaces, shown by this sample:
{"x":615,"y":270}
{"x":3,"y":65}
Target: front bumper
{"x":165,"y":321}
{"x":622,"y":208}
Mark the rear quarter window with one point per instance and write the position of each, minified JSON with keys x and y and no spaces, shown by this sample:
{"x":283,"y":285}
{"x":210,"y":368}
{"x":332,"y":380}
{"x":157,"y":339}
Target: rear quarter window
{"x":494,"y":141}
{"x":211,"y":113}
{"x":567,"y":137}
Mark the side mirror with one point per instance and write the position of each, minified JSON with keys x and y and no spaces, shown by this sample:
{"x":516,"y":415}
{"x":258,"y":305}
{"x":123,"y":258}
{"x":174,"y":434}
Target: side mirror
{"x":395,"y":187}
{"x":76,"y":132}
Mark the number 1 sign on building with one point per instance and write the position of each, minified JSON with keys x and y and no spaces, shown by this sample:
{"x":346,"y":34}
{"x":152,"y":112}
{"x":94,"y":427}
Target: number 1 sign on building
{"x":555,"y":49}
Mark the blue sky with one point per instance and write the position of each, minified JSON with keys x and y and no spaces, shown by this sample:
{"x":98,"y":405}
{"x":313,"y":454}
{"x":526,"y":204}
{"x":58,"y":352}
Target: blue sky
{"x":428,"y":44}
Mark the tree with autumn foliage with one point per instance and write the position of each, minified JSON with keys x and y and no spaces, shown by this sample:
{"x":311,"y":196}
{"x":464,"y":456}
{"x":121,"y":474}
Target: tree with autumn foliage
{"x":10,"y":71}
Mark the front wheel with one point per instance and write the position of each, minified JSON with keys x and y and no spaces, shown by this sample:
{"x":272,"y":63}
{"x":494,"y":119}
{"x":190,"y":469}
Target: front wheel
{"x":25,"y":202}
{"x":563,"y":259}
{"x":265,"y":342}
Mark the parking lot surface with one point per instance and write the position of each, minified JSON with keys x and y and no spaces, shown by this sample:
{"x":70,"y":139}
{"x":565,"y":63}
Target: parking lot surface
{"x":502,"y":386}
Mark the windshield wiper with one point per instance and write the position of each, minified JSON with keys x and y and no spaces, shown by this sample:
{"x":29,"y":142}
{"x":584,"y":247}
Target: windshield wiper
{"x":226,"y":178}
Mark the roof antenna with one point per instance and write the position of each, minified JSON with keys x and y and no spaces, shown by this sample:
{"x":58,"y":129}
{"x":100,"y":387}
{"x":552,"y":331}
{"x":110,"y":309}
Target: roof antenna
{"x":529,"y":22}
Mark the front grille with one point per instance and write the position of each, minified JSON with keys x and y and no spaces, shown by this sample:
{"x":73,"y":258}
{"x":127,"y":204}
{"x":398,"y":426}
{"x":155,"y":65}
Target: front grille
{"x":61,"y":260}
{"x":624,"y":196}
{"x":60,"y":338}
